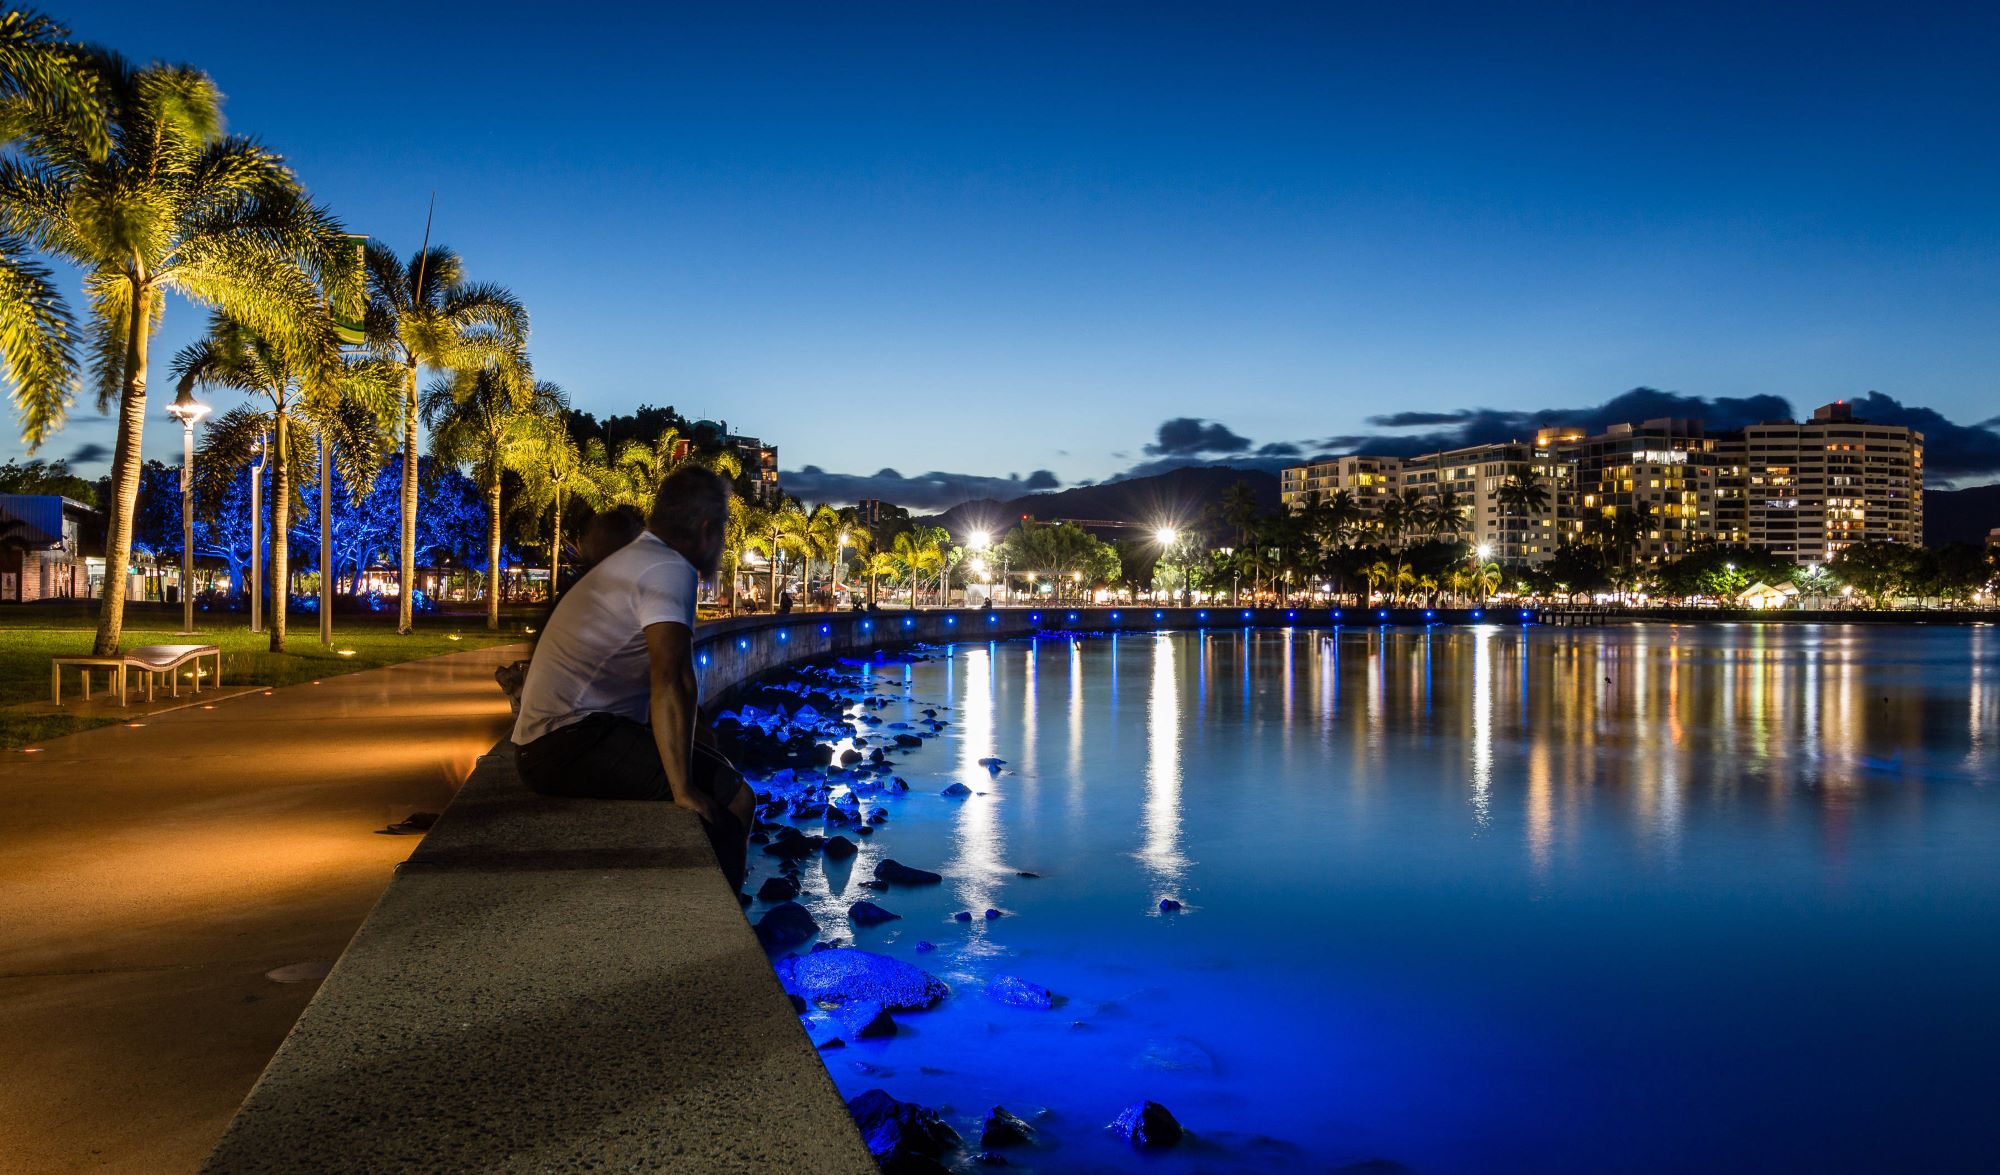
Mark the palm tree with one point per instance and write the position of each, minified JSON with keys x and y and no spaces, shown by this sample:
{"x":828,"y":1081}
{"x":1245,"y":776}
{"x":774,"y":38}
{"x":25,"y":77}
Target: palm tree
{"x":234,"y":356}
{"x":739,"y":531}
{"x":920,"y":551}
{"x":43,"y":73}
{"x":480,"y":418}
{"x":821,"y":540}
{"x":875,"y":566}
{"x":1446,"y":517}
{"x":172,"y":206}
{"x":1521,"y":497}
{"x":780,"y":529}
{"x":556,"y":471}
{"x":425,"y":314}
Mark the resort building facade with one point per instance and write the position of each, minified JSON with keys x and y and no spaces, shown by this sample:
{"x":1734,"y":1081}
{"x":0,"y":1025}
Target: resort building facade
{"x":1660,"y":487}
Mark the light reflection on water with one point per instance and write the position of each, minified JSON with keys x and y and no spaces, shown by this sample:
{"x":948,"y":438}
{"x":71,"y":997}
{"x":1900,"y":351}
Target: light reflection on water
{"x":1489,"y":899}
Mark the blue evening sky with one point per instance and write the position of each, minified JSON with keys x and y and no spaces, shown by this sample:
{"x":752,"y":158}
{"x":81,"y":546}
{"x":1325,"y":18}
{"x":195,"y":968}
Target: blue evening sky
{"x":990,"y":238}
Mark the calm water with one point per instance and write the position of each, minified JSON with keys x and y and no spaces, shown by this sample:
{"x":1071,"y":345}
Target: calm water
{"x":1477,"y":900}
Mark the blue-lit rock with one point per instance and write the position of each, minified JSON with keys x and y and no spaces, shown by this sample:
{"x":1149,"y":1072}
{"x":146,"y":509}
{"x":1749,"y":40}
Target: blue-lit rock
{"x":993,"y":765}
{"x":1167,"y":905}
{"x":1148,"y":1126}
{"x":896,"y":873}
{"x":839,"y":848}
{"x":846,"y":975}
{"x":869,"y":914}
{"x":1004,"y":1129}
{"x":962,"y":916}
{"x":956,"y":791}
{"x":1019,"y":993}
{"x":909,"y":740}
{"x":866,"y":1020}
{"x":785,"y":926}
{"x":992,"y":914}
{"x":895,"y":1130}
{"x":777,"y":889}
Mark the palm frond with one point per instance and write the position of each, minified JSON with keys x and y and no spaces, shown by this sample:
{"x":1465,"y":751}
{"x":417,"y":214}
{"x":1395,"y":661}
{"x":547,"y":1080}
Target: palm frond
{"x":40,"y":65}
{"x":37,"y":343}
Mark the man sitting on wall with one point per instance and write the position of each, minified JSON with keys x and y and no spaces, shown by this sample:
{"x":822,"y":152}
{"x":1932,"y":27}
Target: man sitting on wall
{"x":609,"y":709}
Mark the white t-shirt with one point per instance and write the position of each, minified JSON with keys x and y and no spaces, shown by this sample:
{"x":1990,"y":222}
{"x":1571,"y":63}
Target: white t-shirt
{"x":592,"y":659}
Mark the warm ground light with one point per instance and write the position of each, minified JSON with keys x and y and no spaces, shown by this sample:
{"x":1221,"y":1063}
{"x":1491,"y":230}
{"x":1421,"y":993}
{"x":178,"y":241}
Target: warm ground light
{"x":30,"y":636}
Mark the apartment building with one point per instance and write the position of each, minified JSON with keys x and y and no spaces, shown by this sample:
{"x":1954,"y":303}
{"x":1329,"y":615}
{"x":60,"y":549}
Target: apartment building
{"x":1815,"y":487}
{"x":1659,"y":488}
{"x":1368,"y":481}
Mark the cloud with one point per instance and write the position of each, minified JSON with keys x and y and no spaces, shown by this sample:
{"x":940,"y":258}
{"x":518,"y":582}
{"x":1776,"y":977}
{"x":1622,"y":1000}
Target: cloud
{"x":1189,"y":436}
{"x":1952,"y":452}
{"x":89,"y":453}
{"x":926,"y":491}
{"x":1418,"y":419}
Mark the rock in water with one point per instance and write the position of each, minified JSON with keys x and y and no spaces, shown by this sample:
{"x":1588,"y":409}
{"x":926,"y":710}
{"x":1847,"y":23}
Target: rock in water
{"x":956,"y":791}
{"x":1004,"y":1129}
{"x":991,"y":914}
{"x":866,"y":1020}
{"x":849,"y":974}
{"x":869,"y":914}
{"x":1148,"y":1126}
{"x":962,"y":916}
{"x":1167,"y":905}
{"x":897,"y":873}
{"x":908,"y":740}
{"x":839,"y":848}
{"x":993,"y":765}
{"x":1019,"y":993}
{"x":785,"y":926}
{"x":777,"y":889}
{"x":896,"y":1130}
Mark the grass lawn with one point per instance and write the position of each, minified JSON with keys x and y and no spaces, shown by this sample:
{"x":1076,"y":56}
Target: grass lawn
{"x":31,"y":634}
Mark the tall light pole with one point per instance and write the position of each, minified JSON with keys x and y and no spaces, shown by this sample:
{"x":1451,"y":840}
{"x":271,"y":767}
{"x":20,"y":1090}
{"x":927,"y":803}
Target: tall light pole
{"x":257,"y":536}
{"x":188,"y":411}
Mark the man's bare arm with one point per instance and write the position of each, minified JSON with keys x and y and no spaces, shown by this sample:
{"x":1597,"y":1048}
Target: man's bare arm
{"x":670,"y":650}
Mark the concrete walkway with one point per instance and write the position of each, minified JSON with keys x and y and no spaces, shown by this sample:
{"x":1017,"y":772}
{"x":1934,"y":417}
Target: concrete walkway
{"x":151,"y":876}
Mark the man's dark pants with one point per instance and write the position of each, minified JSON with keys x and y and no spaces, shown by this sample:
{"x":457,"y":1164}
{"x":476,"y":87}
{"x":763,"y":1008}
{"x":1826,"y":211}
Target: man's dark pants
{"x":608,"y":757}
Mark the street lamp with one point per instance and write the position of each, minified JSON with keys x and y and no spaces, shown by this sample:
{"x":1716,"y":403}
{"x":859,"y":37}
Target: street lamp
{"x":189,"y":412}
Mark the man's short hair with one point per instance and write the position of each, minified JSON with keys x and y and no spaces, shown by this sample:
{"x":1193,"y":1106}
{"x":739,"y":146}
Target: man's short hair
{"x":689,"y":497}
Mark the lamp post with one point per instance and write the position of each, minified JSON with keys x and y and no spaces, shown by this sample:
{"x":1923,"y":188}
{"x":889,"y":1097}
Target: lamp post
{"x":188,"y":411}
{"x":257,"y":536}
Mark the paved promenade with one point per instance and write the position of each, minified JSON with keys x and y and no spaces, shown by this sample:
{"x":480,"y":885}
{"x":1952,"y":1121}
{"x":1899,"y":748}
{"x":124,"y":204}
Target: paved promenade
{"x":151,"y":876}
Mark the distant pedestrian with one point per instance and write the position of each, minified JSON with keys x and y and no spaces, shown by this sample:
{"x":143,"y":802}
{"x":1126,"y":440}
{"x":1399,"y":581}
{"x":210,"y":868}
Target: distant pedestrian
{"x":610,"y":707}
{"x":785,"y":604}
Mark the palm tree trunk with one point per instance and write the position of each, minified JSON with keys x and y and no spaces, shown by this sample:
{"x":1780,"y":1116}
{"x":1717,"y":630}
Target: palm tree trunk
{"x":772,"y":601}
{"x":555,"y":549}
{"x":407,"y":559}
{"x":493,"y":554}
{"x":125,"y":466}
{"x":281,"y":517}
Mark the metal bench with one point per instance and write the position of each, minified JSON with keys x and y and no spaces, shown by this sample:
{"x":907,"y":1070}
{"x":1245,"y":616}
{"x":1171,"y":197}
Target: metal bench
{"x":151,"y":660}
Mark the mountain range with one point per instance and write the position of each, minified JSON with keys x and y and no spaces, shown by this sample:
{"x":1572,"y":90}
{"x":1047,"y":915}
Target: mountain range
{"x":1181,"y":496}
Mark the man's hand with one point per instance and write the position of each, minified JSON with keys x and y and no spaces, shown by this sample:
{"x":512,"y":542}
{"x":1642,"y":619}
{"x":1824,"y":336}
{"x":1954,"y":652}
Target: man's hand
{"x":699,"y":804}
